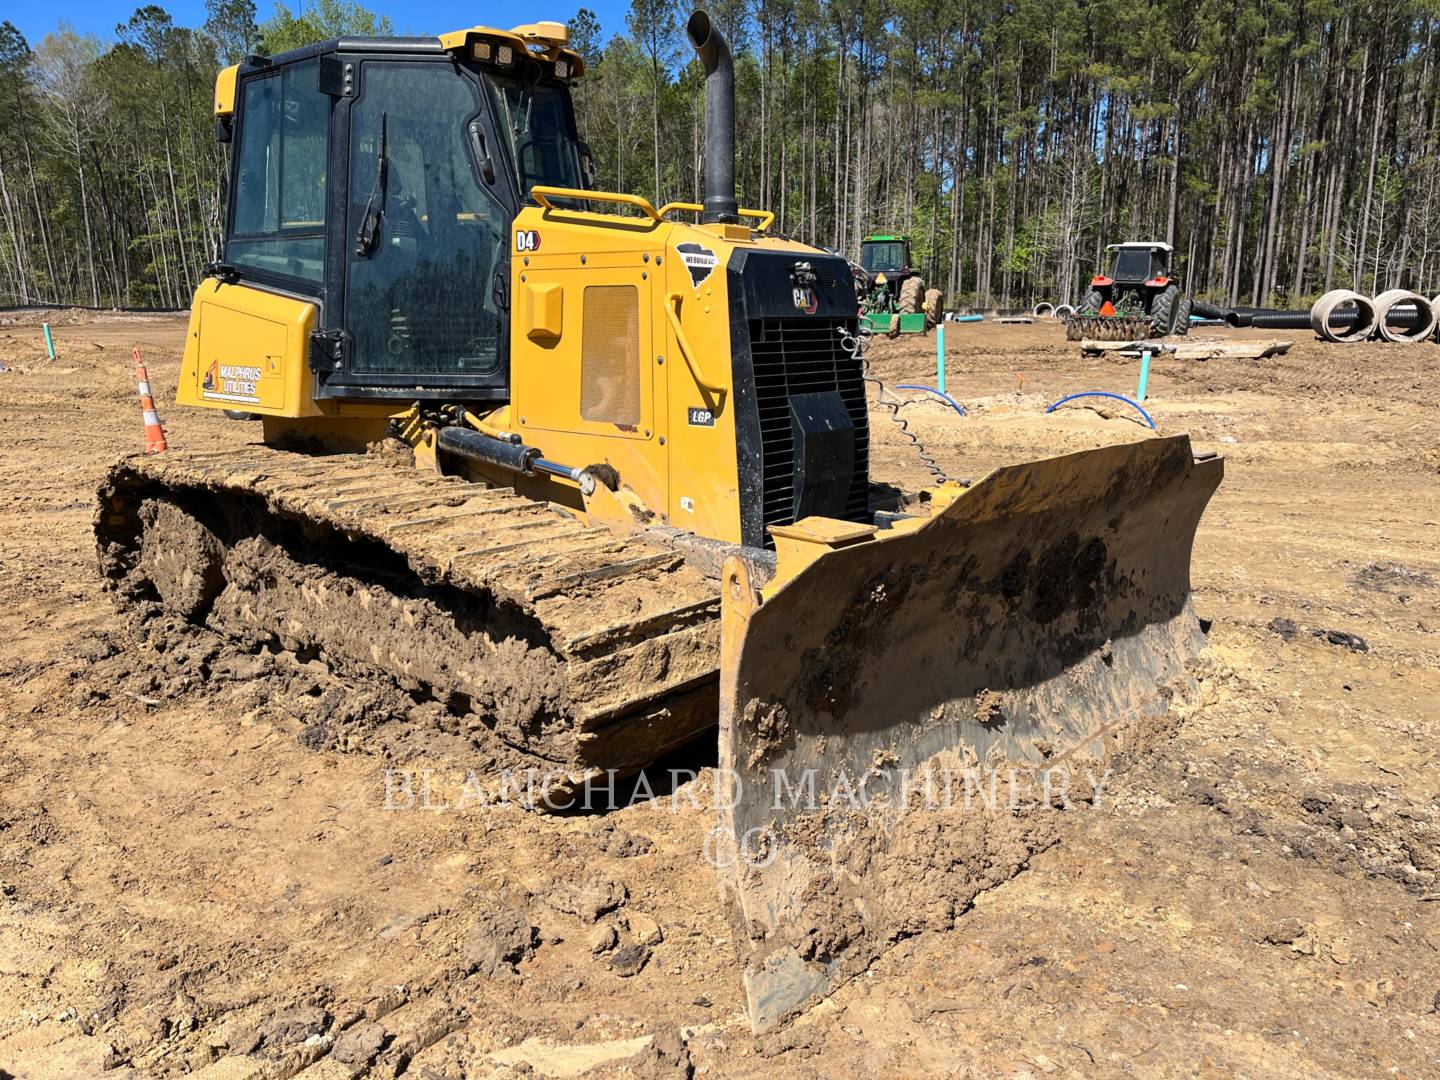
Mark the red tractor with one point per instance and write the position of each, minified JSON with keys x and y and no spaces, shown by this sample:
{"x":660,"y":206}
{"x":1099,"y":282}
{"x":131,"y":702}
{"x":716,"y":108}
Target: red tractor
{"x":1138,"y":289}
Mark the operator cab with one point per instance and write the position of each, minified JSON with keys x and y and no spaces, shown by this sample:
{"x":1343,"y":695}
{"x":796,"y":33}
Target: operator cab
{"x":884,"y":255}
{"x":379,"y":178}
{"x":1140,"y":262}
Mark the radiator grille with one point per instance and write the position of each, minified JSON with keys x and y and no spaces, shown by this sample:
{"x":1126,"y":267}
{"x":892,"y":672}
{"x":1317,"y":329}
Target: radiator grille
{"x":804,"y":356}
{"x":610,"y":355}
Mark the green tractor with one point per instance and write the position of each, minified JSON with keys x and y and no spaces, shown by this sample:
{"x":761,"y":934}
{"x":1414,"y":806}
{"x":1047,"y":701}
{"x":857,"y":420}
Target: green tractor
{"x":1137,"y":299}
{"x":893,"y":297}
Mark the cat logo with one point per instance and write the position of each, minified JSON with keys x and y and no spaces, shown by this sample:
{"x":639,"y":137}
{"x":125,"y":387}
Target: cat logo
{"x":805,"y":299}
{"x":527,"y":240}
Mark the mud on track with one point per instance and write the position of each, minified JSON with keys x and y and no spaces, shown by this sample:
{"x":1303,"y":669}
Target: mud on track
{"x":188,"y":878}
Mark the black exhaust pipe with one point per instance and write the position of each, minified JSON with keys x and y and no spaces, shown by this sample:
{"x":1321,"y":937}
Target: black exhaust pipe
{"x":714,"y":53}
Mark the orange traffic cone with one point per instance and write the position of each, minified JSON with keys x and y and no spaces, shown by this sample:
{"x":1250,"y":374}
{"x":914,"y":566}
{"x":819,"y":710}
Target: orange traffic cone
{"x":1107,"y":309}
{"x":154,"y":433}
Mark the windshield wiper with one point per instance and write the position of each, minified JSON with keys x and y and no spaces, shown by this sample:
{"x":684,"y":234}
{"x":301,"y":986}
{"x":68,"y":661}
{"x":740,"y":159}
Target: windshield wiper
{"x":369,"y":231}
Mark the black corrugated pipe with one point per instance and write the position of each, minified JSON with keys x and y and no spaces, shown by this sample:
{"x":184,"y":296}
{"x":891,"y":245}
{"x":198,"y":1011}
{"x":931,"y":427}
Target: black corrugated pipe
{"x":710,"y":46}
{"x":1272,"y":319}
{"x":1279,"y":320}
{"x":1397,"y":316}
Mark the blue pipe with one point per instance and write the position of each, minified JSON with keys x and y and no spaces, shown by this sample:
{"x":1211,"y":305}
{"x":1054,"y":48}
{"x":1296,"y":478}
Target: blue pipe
{"x":940,"y":357}
{"x":1104,"y":393}
{"x":966,"y":318}
{"x":49,"y":341}
{"x":1144,"y":376}
{"x":945,"y":397}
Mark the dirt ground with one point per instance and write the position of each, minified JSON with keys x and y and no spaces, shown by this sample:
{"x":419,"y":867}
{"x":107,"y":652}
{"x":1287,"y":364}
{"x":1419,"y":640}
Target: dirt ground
{"x":187,"y":887}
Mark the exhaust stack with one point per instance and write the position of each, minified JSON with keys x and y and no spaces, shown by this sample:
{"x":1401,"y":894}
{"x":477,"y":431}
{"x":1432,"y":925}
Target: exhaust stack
{"x":714,"y":53}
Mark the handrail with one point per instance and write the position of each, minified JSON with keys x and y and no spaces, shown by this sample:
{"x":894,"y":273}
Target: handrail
{"x":766,"y":217}
{"x":542,"y":194}
{"x":692,"y":361}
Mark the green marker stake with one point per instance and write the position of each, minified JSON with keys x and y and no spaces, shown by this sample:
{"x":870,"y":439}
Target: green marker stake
{"x":1144,"y":376}
{"x":49,"y":341}
{"x":940,"y":357}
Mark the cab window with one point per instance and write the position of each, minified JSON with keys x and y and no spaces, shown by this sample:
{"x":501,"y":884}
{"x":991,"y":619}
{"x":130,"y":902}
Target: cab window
{"x":278,"y":219}
{"x":883,"y":256}
{"x":538,"y":121}
{"x":427,"y":239}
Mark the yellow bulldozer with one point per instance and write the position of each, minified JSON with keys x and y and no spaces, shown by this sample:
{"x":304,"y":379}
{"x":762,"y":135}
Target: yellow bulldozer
{"x":640,"y":505}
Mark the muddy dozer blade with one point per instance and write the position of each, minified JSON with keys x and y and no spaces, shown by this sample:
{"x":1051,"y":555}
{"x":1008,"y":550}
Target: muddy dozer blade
{"x":1037,"y":621}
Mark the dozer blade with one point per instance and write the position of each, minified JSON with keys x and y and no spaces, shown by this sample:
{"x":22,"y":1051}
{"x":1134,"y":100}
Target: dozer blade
{"x":1037,"y":621}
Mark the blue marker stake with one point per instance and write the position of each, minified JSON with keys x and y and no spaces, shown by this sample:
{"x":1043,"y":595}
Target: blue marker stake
{"x":49,"y":341}
{"x":1144,"y":376}
{"x":940,"y":357}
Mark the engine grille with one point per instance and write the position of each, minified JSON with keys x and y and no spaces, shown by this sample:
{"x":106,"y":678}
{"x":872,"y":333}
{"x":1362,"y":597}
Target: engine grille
{"x":804,"y":356}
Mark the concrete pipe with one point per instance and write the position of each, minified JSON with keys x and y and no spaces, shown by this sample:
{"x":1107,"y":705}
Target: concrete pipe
{"x":1042,"y":309}
{"x":1064,"y":311}
{"x":1358,"y":330}
{"x":1416,"y":320}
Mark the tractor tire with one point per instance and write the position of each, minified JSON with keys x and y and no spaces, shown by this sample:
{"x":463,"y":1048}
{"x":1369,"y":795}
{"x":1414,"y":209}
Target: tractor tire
{"x":912,"y":293}
{"x":1182,"y":316}
{"x":1090,"y":303}
{"x":1163,"y":310}
{"x":934,"y":307}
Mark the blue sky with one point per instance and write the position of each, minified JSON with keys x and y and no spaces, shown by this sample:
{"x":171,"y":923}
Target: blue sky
{"x":100,"y":17}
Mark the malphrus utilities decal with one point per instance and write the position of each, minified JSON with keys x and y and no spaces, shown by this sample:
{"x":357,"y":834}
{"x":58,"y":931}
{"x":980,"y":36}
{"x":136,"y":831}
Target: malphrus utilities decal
{"x":231,"y":382}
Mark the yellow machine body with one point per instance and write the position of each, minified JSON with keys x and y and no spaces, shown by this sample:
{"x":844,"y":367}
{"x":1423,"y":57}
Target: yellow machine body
{"x":591,"y":289}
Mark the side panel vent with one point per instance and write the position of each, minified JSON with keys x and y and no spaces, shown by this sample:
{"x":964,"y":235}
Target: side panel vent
{"x":610,"y":355}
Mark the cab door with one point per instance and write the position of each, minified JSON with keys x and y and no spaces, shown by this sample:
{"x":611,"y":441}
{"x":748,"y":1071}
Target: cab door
{"x":422,"y":304}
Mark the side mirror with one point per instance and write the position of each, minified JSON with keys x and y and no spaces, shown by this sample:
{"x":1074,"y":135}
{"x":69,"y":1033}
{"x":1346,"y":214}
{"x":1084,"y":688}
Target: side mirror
{"x":587,"y":167}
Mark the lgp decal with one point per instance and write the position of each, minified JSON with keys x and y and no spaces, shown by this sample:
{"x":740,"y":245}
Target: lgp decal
{"x":701,"y":261}
{"x":527,"y":240}
{"x":701,"y":417}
